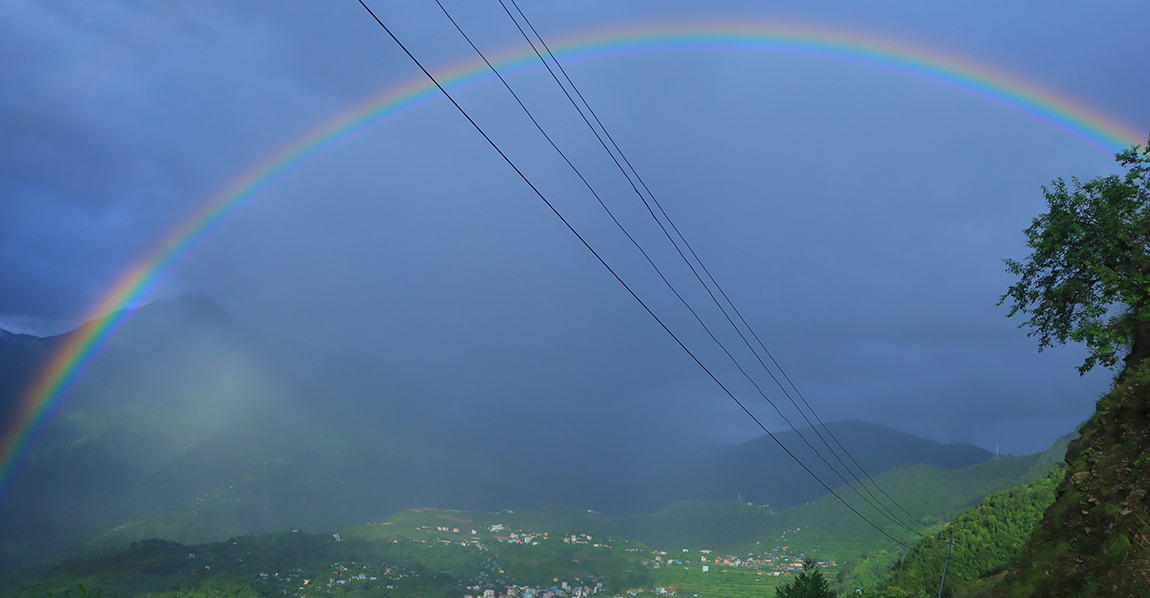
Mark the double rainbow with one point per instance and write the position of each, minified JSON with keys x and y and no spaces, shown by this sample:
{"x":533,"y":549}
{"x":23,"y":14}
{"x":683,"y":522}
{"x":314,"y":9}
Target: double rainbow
{"x":1012,"y":93}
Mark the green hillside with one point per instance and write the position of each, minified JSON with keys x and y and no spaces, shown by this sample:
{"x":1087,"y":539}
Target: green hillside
{"x":430,"y":566}
{"x":1094,"y":539}
{"x":823,"y":527}
{"x":988,"y":539}
{"x":747,"y":549}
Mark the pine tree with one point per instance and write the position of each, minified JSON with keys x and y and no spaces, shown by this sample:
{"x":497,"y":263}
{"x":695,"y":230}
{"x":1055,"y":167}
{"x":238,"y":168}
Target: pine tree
{"x":810,"y":583}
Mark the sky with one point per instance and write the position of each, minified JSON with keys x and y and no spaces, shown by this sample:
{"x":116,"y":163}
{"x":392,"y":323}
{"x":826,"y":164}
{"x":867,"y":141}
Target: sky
{"x":857,"y":216}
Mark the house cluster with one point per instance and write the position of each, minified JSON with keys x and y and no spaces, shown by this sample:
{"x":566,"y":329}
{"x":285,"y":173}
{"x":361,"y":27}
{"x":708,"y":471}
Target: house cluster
{"x":523,"y":538}
{"x":776,"y":563}
{"x":342,"y":574}
{"x":466,"y":541}
{"x":285,"y":577}
{"x":583,"y":539}
{"x":453,"y":530}
{"x":660,"y":590}
{"x":563,"y":590}
{"x":505,"y":534}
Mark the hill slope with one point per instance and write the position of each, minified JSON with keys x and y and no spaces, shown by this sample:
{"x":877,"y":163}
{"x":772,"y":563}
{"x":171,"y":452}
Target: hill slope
{"x":1095,"y":539}
{"x":988,"y":539}
{"x":761,"y":472}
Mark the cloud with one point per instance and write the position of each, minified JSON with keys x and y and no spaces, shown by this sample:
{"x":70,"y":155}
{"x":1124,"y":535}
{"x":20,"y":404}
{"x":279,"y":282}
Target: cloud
{"x":858,"y":216}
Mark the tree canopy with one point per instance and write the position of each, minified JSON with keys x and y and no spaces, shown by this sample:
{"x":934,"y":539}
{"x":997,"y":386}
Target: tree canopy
{"x":1088,"y":277}
{"x":809,"y":583}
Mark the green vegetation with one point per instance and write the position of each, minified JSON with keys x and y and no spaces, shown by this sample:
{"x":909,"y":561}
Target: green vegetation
{"x":1088,"y":278}
{"x":382,"y":561}
{"x":823,"y":526}
{"x":809,"y":583}
{"x":81,"y":592}
{"x":1093,"y":539}
{"x":210,"y":588}
{"x":826,"y":529}
{"x":275,"y":564}
{"x":987,"y":540}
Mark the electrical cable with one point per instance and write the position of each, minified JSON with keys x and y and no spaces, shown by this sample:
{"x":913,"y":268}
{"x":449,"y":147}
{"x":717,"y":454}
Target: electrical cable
{"x":617,"y":277}
{"x":882,"y":509}
{"x":879,"y":507}
{"x":711,"y":277}
{"x":718,"y":287}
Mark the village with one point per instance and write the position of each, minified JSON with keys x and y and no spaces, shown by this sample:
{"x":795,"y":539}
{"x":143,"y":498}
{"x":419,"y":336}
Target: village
{"x":563,"y":590}
{"x":780,"y":561}
{"x":668,"y":570}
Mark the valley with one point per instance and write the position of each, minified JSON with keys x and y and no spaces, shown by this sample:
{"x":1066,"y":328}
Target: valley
{"x":543,"y":553}
{"x":180,"y":470}
{"x":204,"y":453}
{"x":194,"y":427}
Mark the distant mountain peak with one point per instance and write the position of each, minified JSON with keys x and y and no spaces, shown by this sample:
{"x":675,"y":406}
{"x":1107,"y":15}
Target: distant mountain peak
{"x":18,"y":338}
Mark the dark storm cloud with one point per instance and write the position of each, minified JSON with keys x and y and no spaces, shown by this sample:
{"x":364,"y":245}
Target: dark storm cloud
{"x":858,"y":216}
{"x":117,"y":118}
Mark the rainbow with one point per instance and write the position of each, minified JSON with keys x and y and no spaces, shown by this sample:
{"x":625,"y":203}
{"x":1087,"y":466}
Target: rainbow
{"x":134,"y":287}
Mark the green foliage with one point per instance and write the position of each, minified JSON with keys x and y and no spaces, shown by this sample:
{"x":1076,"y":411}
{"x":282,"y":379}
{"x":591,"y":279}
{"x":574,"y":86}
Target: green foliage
{"x":1088,"y":277}
{"x":211,"y":588}
{"x":1089,"y":281}
{"x":1093,"y":541}
{"x":82,"y":592}
{"x":807,"y":584}
{"x":388,"y":566}
{"x":921,"y":489}
{"x":988,"y":539}
{"x":824,"y":528}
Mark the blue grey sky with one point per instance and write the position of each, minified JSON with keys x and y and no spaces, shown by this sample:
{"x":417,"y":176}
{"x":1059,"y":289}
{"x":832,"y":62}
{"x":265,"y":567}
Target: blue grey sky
{"x":858,"y":217}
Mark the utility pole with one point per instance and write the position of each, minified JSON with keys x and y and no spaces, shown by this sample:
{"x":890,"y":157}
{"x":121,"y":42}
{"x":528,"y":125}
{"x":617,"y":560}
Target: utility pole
{"x":949,"y":543}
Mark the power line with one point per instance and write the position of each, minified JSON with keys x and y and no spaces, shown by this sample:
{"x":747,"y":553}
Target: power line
{"x":878,"y":507}
{"x":622,"y":155}
{"x":617,"y":277}
{"x":949,"y":545}
{"x":882,"y":509}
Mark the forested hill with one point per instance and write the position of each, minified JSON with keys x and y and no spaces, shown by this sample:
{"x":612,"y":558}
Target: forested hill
{"x":987,"y":540}
{"x":1095,"y":539}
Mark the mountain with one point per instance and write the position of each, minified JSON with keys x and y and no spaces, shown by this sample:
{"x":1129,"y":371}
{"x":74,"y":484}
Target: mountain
{"x":20,"y":358}
{"x":760,"y":471}
{"x":194,"y":426}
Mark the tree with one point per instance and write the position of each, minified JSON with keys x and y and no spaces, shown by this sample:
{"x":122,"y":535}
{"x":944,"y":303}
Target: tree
{"x":1088,"y":280}
{"x":1088,"y":277}
{"x":807,"y":584}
